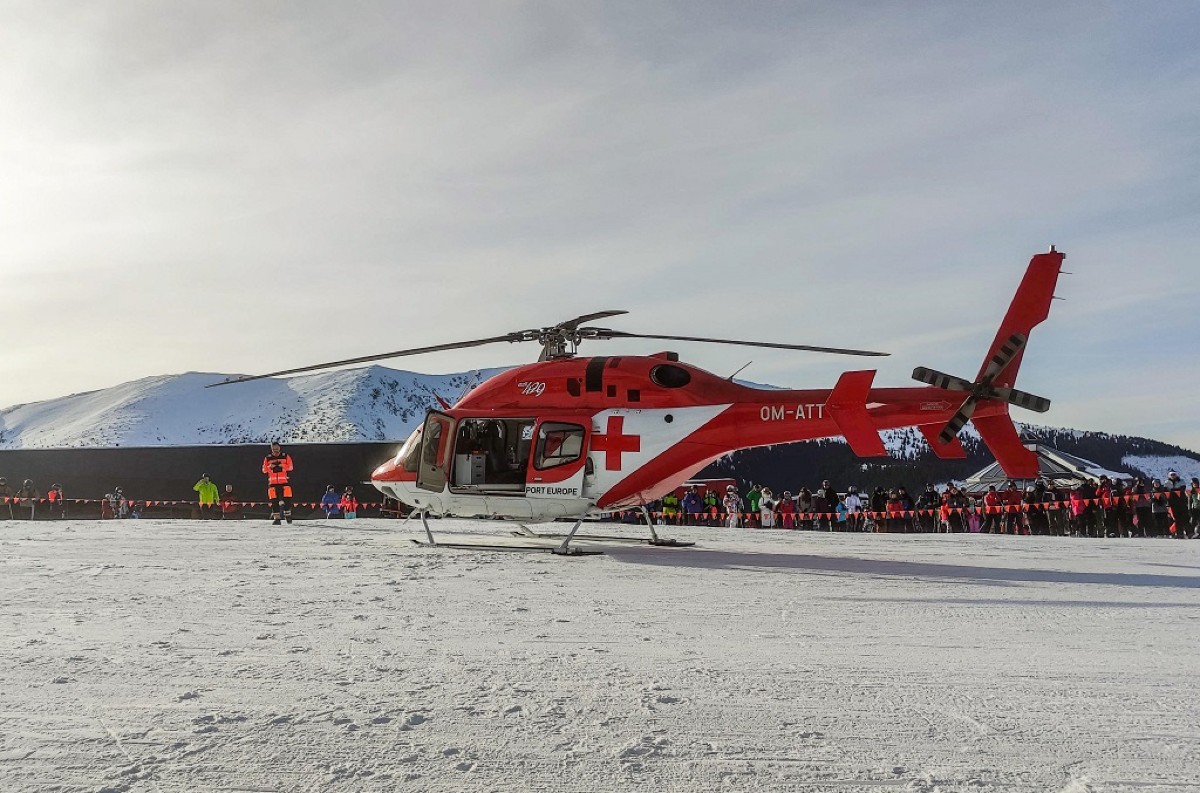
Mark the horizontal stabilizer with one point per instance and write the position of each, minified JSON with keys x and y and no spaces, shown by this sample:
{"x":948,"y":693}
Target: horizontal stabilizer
{"x":847,"y":405}
{"x":1000,"y":435}
{"x":947,"y":451}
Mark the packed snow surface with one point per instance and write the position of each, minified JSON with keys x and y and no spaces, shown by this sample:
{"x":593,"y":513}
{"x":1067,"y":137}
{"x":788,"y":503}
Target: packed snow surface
{"x":338,"y":656}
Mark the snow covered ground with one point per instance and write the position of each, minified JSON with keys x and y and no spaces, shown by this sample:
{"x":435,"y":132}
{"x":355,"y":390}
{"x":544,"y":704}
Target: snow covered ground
{"x":191,"y":656}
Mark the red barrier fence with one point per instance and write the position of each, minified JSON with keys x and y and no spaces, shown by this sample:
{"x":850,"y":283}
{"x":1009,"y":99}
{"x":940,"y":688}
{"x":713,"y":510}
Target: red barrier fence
{"x":159,"y":503}
{"x":1108,"y":502}
{"x":1135,"y":502}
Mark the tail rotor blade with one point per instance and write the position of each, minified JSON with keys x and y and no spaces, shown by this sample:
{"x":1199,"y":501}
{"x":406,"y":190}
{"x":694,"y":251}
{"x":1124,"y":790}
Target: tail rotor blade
{"x":941,"y":380}
{"x":1021,"y":399}
{"x":958,"y":421}
{"x":1003,"y":357}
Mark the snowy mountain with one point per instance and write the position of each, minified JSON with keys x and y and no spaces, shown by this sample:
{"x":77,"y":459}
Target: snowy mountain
{"x":381,"y":404}
{"x":353,"y":405}
{"x":911,"y":462}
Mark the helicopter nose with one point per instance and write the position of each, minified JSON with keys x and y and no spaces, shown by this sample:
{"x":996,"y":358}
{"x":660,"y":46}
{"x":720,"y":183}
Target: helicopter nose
{"x":388,"y":472}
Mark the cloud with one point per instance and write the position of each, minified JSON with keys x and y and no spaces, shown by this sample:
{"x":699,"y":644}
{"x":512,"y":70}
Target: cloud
{"x":386,"y":175}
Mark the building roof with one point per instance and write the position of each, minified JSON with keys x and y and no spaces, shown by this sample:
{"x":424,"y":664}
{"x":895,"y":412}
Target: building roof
{"x":1057,"y":468}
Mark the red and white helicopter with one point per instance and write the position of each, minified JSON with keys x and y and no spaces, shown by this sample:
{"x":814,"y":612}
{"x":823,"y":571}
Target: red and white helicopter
{"x":571,"y":437}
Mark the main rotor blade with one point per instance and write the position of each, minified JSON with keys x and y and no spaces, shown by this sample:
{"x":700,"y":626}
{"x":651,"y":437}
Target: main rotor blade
{"x":605,"y":333}
{"x":572,"y":324}
{"x":458,"y":345}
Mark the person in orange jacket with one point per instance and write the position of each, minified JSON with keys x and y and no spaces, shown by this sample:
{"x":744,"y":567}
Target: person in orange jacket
{"x":58,"y":507}
{"x":277,"y":466}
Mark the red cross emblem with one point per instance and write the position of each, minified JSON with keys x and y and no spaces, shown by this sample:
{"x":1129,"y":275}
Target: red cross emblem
{"x":615,"y":442}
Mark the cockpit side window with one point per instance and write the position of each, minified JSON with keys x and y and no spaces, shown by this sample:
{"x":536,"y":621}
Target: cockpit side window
{"x":558,"y":444}
{"x":407,"y":458}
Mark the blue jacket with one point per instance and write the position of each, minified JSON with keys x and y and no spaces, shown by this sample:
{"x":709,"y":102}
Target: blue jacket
{"x":330,"y":502}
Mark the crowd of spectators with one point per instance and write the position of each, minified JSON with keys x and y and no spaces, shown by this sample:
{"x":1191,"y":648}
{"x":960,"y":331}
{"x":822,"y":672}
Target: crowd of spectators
{"x":212,"y":502}
{"x":1101,"y":507}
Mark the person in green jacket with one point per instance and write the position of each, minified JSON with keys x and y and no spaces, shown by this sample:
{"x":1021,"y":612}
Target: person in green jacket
{"x":670,"y":508}
{"x":209,"y":498}
{"x":712,"y":506}
{"x":753,"y":498}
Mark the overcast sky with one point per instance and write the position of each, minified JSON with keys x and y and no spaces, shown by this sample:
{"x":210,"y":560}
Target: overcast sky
{"x":241,"y":187}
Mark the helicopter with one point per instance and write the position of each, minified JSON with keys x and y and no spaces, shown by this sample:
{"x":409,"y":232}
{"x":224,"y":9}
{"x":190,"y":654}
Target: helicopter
{"x":571,"y":437}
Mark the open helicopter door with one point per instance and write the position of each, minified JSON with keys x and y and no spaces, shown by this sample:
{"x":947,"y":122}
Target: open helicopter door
{"x":437,"y":440}
{"x":559,"y":460}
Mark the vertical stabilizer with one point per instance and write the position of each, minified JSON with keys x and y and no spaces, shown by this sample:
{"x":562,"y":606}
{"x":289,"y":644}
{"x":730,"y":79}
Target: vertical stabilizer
{"x":1029,"y":308}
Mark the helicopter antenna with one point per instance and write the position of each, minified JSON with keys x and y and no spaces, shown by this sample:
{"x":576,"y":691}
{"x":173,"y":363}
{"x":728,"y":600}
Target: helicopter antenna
{"x":739,"y":371}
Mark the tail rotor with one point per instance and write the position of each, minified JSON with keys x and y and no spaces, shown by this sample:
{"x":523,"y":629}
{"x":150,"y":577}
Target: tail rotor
{"x":1030,"y":306}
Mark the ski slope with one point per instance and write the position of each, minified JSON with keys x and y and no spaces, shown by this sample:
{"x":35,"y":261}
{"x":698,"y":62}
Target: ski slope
{"x":203,"y":656}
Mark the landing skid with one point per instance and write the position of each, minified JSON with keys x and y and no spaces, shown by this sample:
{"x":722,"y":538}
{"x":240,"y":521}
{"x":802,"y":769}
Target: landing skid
{"x":485,"y":546}
{"x":657,"y":542}
{"x":561,"y":549}
{"x":653,"y":539}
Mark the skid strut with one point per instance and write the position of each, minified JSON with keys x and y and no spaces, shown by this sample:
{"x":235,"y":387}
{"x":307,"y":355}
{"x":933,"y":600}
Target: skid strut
{"x":656,"y":540}
{"x":653,"y":539}
{"x":562,"y":549}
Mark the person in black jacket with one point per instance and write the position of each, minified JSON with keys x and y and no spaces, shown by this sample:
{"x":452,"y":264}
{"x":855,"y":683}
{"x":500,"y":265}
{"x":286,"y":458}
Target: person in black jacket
{"x":27,"y":498}
{"x":929,"y":502}
{"x":6,"y":503}
{"x":1177,"y":501}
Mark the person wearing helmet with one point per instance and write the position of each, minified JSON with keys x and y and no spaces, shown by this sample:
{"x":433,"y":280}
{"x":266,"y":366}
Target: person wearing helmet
{"x":854,"y":509}
{"x":928,"y":505}
{"x":58,"y":507}
{"x":733,"y":507}
{"x":6,"y":500}
{"x":1035,"y":512}
{"x":349,"y":504}
{"x":277,"y":466}
{"x":27,"y":498}
{"x":230,"y":508}
{"x":1177,"y":504}
{"x":331,"y":502}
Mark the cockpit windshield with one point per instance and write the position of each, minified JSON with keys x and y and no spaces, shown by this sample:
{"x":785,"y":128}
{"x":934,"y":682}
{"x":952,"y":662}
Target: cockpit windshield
{"x":408,"y":458}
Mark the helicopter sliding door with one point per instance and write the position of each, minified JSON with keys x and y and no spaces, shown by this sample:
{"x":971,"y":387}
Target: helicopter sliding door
{"x":437,"y":438}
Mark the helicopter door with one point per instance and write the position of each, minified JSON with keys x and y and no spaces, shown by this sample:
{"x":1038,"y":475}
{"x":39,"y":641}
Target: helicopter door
{"x":556,"y":467}
{"x":436,"y":439}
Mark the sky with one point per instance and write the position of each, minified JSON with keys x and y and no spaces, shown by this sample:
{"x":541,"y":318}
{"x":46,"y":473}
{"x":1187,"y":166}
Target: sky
{"x":245,"y":187}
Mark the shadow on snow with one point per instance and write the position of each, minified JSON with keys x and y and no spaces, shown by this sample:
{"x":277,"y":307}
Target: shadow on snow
{"x":890,"y":568}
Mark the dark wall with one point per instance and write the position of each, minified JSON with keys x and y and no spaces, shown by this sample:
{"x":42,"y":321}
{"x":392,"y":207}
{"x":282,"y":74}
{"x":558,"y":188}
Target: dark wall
{"x":169,"y":472}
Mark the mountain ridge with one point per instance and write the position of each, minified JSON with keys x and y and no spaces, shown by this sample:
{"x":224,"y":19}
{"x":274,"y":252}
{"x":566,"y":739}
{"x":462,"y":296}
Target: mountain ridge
{"x":377,"y":403}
